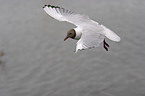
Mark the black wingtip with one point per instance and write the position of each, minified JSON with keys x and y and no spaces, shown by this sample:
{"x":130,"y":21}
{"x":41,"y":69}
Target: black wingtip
{"x":44,"y":6}
{"x":51,"y":6}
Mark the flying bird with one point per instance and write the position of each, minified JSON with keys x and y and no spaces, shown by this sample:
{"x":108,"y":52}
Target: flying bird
{"x":89,"y":33}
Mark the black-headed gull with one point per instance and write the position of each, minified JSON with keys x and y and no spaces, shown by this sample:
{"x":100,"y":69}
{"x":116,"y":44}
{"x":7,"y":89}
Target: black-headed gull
{"x":89,"y":33}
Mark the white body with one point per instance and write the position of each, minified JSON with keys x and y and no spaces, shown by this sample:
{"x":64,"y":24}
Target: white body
{"x":78,"y":33}
{"x":88,"y":32}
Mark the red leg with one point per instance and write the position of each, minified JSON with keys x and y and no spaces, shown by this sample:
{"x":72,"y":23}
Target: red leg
{"x":106,"y":45}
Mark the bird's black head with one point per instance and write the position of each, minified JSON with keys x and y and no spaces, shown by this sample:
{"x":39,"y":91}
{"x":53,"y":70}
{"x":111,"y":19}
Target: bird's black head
{"x":70,"y":34}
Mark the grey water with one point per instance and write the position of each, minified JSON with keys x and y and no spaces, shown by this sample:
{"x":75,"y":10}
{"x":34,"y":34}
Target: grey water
{"x":37,"y":62}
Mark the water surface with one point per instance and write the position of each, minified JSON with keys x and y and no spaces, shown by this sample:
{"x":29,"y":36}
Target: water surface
{"x":37,"y":62}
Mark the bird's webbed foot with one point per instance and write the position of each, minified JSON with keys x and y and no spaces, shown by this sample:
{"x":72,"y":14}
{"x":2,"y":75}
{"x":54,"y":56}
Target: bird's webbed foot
{"x":106,"y":45}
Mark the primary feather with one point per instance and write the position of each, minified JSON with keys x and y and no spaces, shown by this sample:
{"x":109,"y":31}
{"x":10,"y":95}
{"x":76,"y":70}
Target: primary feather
{"x":62,"y":14}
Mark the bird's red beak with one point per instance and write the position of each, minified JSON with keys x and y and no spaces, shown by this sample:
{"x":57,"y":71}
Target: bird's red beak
{"x":66,"y":38}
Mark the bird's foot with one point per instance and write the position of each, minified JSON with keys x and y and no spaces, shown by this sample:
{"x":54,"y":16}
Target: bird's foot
{"x":106,"y":45}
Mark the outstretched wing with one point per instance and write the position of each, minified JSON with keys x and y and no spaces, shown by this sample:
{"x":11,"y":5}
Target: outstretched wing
{"x":62,"y":14}
{"x":110,"y":34}
{"x":89,"y":39}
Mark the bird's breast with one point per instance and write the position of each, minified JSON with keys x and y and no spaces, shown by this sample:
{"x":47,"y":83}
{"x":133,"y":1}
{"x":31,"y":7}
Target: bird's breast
{"x":78,"y":35}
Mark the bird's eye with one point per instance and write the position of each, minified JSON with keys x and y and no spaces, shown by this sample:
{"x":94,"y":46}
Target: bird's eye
{"x":70,"y":33}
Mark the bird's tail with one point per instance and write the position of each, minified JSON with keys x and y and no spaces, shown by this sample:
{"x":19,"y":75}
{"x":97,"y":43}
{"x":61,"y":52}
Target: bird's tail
{"x":110,"y":34}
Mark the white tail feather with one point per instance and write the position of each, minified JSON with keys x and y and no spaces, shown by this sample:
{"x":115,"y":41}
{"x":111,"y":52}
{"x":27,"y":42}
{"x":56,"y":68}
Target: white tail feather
{"x":110,"y":34}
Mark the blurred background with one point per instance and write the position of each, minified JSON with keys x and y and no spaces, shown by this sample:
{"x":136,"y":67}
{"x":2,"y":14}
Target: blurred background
{"x":37,"y":62}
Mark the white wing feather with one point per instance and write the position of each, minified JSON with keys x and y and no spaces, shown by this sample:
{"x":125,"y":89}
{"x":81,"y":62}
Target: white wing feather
{"x":89,"y":39}
{"x":62,"y":14}
{"x":110,"y":34}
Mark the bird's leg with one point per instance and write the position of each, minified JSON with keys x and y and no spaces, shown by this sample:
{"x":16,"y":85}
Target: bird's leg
{"x":105,"y":48}
{"x":106,"y":45}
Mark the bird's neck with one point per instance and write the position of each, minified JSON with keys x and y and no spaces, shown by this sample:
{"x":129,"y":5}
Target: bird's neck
{"x":78,"y":33}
